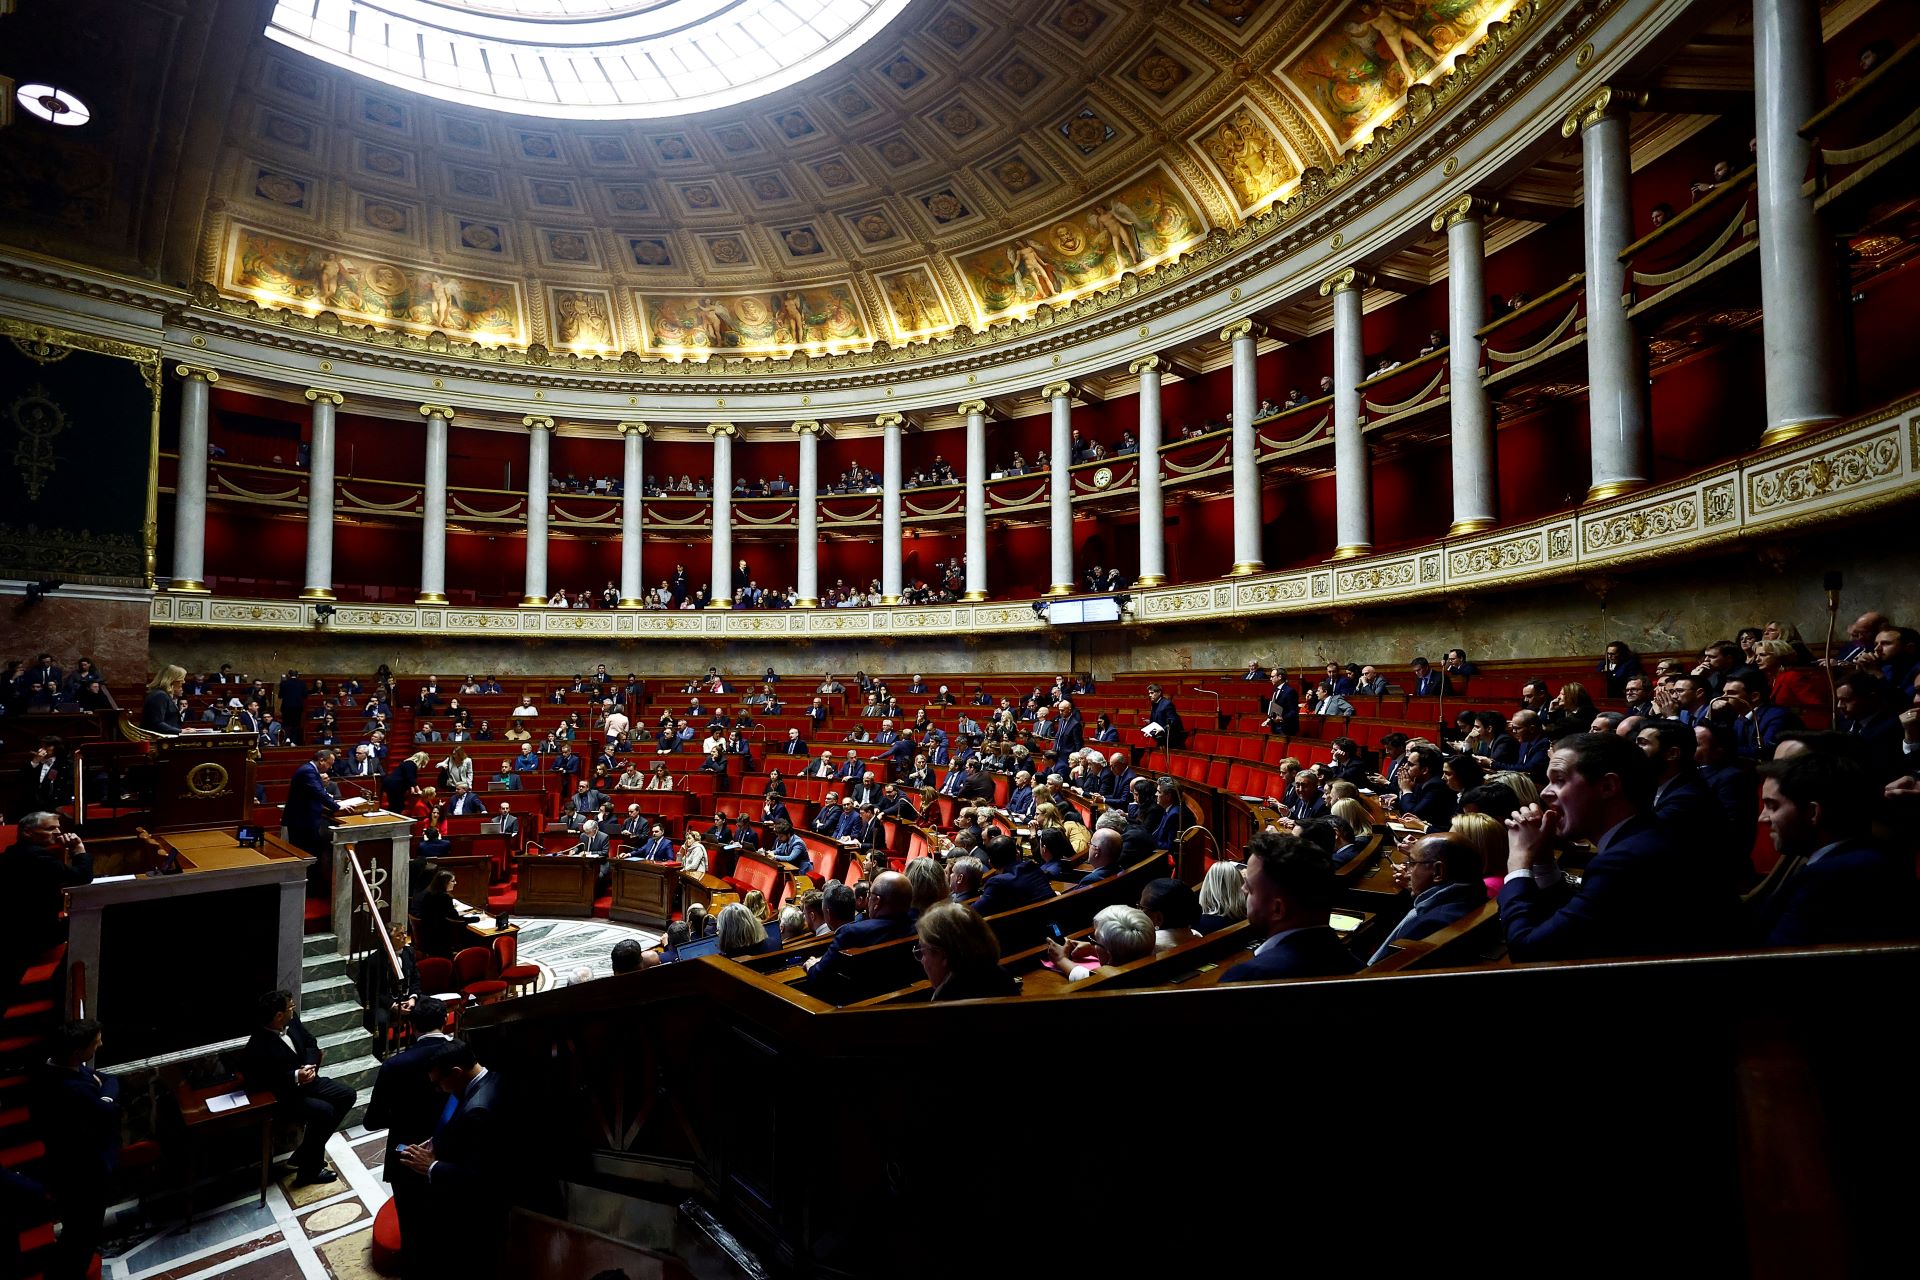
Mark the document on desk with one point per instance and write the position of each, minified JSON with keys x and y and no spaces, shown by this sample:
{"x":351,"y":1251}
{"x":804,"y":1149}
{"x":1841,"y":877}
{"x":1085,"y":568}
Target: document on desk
{"x":227,"y":1101}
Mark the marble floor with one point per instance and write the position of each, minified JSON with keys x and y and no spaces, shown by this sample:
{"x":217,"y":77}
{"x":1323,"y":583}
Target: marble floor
{"x":324,"y":1232}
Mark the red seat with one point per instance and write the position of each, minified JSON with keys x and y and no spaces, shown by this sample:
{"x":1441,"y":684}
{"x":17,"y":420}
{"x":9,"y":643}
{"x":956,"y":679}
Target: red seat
{"x":1237,"y":776}
{"x":386,"y":1238}
{"x":515,"y":975}
{"x":436,"y":974}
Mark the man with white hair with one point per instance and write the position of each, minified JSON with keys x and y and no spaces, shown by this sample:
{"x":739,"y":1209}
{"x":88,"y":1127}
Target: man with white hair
{"x":1103,"y":856}
{"x":1120,"y":776}
{"x":1121,"y":934}
{"x":826,"y":821}
{"x":42,"y":864}
{"x":634,"y":826}
{"x":1071,"y":735}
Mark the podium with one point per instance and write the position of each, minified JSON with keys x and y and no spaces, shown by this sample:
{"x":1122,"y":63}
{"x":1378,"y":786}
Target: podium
{"x":644,"y":892}
{"x":193,"y":781}
{"x":383,"y":841}
{"x":175,"y":962}
{"x":556,"y":885}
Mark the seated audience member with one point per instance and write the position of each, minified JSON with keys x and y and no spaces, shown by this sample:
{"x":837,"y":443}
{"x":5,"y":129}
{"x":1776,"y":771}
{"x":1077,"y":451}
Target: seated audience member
{"x":964,"y":875}
{"x":1642,"y":893}
{"x":1223,"y":896}
{"x":1056,"y":855}
{"x":960,"y":955}
{"x":1424,"y":793}
{"x":78,"y":1114}
{"x":741,"y":933}
{"x":1174,"y":910}
{"x":1121,"y":935}
{"x":929,"y":882}
{"x":1308,"y":804}
{"x":838,"y":906}
{"x":283,"y":1058}
{"x":1865,"y":713}
{"x":1103,"y":857}
{"x":1836,"y":882}
{"x":1290,"y":889}
{"x":1683,"y":805}
{"x":1355,"y":824}
{"x":1014,"y":882}
{"x":35,"y":872}
{"x":630,"y":957}
{"x":890,"y":916}
{"x":1443,"y":876}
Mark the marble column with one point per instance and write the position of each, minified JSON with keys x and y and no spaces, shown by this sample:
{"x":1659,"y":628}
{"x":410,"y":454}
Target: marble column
{"x":1244,"y":337}
{"x":1476,"y":491}
{"x":807,"y":583}
{"x":433,"y":510}
{"x":1153,"y":508}
{"x":633,"y":588}
{"x":1799,"y":290}
{"x":1060,"y":396}
{"x":977,"y":467}
{"x":190,"y":480}
{"x":539,"y":488}
{"x":320,"y":454}
{"x":1352,"y":470}
{"x":893,"y":425}
{"x":1621,"y":437}
{"x":722,"y":585}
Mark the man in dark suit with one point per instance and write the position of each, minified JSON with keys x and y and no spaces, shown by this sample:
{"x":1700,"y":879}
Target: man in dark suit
{"x":77,"y":1112}
{"x":1523,"y":747}
{"x":508,"y":820}
{"x":1283,"y":705}
{"x":1162,"y":712}
{"x":1426,"y":681}
{"x":1071,"y":732}
{"x":1290,"y":889}
{"x":309,"y":809}
{"x":566,"y":760}
{"x":1643,"y":893}
{"x":465,"y":804}
{"x":852,"y":770}
{"x":890,"y":915}
{"x":1684,"y":806}
{"x":633,"y":827}
{"x":1013,"y":881}
{"x":1424,"y":793}
{"x":1308,"y":804}
{"x":826,"y":821}
{"x":1443,"y":877}
{"x":407,"y":1105}
{"x":293,"y":707}
{"x":1834,"y":884}
{"x":472,"y":1168}
{"x":1120,"y":776}
{"x":1864,"y":713}
{"x":283,"y":1058}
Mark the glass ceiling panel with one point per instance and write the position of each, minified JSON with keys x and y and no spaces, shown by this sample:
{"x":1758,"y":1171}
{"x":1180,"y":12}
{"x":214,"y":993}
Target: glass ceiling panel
{"x":753,"y":47}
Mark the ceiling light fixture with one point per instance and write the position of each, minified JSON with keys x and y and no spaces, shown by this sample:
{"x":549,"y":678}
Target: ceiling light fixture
{"x":56,"y":106}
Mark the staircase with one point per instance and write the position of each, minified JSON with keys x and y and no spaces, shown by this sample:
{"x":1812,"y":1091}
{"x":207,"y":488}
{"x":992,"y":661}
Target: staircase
{"x":330,"y":1008}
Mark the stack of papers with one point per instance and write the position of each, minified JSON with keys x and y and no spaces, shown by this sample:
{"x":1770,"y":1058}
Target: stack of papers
{"x":227,"y":1101}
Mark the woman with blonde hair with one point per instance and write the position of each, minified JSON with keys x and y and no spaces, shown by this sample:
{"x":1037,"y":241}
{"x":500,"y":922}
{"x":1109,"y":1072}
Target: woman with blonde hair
{"x":1523,"y":787}
{"x":929,"y":882}
{"x":162,"y":711}
{"x":741,"y":933}
{"x":693,"y":855}
{"x":1488,"y":835}
{"x":756,"y":902}
{"x":1790,"y":683}
{"x":1223,"y":896}
{"x":402,"y":783}
{"x":959,"y":953}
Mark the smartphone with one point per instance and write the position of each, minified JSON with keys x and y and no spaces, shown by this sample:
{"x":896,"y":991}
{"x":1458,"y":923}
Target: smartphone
{"x":1055,"y":933}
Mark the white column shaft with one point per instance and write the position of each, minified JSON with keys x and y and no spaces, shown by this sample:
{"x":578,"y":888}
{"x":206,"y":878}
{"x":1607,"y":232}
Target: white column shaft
{"x":1475,"y":490}
{"x":1799,"y":297}
{"x":1153,"y":510}
{"x":1246,"y":463}
{"x":1061,"y":504}
{"x":539,"y":483}
{"x":808,"y":580}
{"x":722,"y":519}
{"x":433,"y":523}
{"x":1616,"y":362}
{"x":1352,"y":473}
{"x":890,"y":515}
{"x":976,"y":504}
{"x":632,"y":585}
{"x":320,"y":455}
{"x":190,"y":487}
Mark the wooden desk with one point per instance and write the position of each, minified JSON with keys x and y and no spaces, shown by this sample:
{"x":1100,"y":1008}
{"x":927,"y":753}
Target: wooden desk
{"x":645,"y":892}
{"x":557,"y":885}
{"x":709,"y":891}
{"x":471,"y":875}
{"x":201,"y":1122}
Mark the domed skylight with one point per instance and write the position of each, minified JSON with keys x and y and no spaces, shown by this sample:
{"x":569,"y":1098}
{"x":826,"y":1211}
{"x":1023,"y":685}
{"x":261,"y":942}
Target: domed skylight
{"x":583,"y":59}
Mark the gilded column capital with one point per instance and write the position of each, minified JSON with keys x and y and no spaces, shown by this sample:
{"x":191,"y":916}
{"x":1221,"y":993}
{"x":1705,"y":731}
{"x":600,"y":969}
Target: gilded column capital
{"x":1148,"y":364}
{"x":1340,"y":281}
{"x":538,"y":421}
{"x":1466,"y":208}
{"x":972,"y":406}
{"x":890,"y":420}
{"x":718,"y":429}
{"x":316,"y":394}
{"x":808,"y":427}
{"x":634,"y":429}
{"x":1246,"y":328}
{"x":437,"y":411}
{"x":1605,"y":102}
{"x":1055,"y":390}
{"x":196,"y":371}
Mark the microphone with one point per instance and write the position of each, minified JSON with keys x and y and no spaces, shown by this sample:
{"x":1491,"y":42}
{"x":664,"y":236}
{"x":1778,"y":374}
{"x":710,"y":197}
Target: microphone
{"x":1832,"y":588}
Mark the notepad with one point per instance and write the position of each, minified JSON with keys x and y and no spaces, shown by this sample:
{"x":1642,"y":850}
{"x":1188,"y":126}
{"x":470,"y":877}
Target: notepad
{"x":227,"y":1101}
